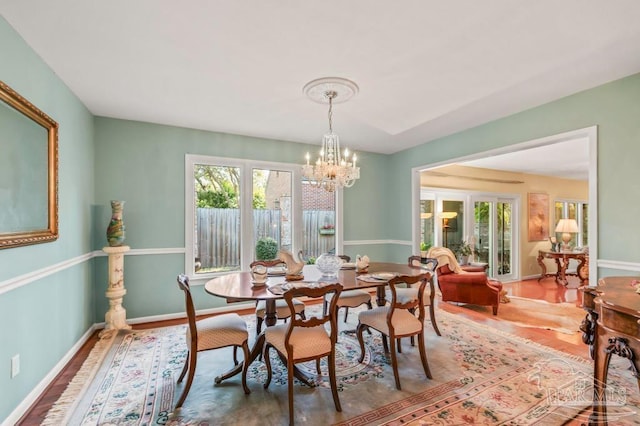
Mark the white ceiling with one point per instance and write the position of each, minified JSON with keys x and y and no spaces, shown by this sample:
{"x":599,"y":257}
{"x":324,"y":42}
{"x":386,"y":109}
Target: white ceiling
{"x":426,"y":68}
{"x":569,"y":160}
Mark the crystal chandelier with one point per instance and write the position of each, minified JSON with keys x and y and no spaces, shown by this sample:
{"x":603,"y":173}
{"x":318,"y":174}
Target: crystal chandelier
{"x":334,"y":168}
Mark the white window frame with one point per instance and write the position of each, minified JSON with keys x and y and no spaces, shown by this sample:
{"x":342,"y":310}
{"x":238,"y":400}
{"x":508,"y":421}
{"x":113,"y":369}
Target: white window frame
{"x":246,"y":205}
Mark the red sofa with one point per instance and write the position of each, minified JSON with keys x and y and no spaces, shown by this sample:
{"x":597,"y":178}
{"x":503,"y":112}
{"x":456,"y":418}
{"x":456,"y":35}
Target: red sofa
{"x":471,"y":286}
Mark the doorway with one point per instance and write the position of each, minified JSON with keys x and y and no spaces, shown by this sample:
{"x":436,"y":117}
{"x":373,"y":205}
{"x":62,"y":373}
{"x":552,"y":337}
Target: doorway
{"x":512,"y":259}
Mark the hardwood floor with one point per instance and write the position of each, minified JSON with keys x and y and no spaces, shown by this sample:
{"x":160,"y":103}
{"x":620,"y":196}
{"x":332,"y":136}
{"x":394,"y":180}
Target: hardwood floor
{"x":546,"y":289}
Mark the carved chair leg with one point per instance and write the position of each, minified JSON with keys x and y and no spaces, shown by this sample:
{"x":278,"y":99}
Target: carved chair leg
{"x":432,"y":314}
{"x":267,"y":363}
{"x":394,"y":362}
{"x":399,"y":344}
{"x":346,"y":312}
{"x":495,"y":309}
{"x":245,"y":365}
{"x":290,"y":389}
{"x":193,"y":356}
{"x":318,"y":366}
{"x":423,"y":354}
{"x":359,"y":331}
{"x":332,"y":380}
{"x":385,"y":345}
{"x":186,"y":366}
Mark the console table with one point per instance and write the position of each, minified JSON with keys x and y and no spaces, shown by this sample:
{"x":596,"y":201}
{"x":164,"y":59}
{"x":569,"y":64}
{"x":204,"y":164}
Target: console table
{"x":562,"y":261}
{"x":611,"y":327}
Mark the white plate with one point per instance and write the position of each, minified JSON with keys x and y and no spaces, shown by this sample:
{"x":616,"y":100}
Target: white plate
{"x":383,"y":275}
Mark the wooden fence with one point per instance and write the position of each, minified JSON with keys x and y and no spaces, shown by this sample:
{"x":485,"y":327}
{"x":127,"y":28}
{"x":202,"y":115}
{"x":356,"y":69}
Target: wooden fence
{"x":218,"y":234}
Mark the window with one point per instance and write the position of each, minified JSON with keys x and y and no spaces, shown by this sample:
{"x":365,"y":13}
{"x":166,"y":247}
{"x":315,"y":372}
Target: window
{"x":578,"y":210}
{"x":231,"y":204}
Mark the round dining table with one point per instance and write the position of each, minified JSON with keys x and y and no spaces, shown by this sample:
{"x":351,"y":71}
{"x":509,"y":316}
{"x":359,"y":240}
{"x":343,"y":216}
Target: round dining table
{"x":238,"y":286}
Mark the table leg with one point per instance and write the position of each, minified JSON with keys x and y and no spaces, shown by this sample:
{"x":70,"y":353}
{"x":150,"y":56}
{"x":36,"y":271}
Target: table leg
{"x":256,"y":350}
{"x":600,"y":370}
{"x":582,"y":260}
{"x":562,"y":271}
{"x":270,"y":317}
{"x":381,"y":298}
{"x":542,"y":266}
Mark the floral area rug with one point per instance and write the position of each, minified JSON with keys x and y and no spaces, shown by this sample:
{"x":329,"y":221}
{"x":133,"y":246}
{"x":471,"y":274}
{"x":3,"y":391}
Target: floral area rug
{"x":480,"y":376}
{"x":561,"y":317}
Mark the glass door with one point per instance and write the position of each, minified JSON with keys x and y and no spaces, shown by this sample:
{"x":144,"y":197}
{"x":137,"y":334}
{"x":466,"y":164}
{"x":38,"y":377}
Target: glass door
{"x":451,"y":223}
{"x":494,"y":237}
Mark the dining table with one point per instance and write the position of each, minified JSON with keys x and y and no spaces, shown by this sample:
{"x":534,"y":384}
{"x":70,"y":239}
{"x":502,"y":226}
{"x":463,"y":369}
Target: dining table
{"x":238,"y":286}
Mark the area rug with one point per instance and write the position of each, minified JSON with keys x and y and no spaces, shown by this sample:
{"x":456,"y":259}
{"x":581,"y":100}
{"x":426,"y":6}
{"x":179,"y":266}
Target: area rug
{"x":531,"y":313}
{"x":480,"y":376}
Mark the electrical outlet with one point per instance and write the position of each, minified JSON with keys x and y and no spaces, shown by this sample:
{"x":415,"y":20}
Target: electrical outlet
{"x":15,"y":365}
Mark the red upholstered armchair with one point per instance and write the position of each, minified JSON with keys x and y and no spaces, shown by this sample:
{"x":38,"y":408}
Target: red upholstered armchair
{"x":466,"y":284}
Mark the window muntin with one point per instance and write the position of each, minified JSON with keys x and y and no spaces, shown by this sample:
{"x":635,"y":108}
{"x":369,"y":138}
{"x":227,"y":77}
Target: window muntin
{"x":239,"y":175}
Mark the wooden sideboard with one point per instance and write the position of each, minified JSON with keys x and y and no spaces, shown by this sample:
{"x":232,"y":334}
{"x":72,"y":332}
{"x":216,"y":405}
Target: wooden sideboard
{"x":611,"y":327}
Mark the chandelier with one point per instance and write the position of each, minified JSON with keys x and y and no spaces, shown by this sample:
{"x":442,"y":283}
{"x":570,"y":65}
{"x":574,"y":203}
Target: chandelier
{"x":333,"y":168}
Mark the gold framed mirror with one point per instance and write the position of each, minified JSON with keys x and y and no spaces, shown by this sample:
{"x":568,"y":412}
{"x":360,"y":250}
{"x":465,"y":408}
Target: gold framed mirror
{"x":28,"y":172}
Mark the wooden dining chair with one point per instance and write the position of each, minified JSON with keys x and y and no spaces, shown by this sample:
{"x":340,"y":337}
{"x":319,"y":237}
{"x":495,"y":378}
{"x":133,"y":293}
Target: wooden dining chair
{"x":210,"y":333}
{"x":282,"y":310}
{"x":349,"y":298}
{"x":397,"y":320}
{"x":430,"y":264}
{"x":306,"y":339}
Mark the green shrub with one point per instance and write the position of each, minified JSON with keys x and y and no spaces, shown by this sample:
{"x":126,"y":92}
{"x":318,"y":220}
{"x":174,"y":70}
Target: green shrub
{"x":266,"y":248}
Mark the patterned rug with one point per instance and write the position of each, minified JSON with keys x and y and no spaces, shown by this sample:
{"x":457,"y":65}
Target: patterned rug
{"x":481,"y":376}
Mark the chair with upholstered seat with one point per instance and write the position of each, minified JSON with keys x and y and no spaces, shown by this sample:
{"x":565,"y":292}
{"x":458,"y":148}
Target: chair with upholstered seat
{"x":302,"y":340}
{"x":210,"y":333}
{"x":464,"y":284}
{"x":430,"y":264}
{"x":349,"y":298}
{"x":282,"y":310}
{"x":397,"y":320}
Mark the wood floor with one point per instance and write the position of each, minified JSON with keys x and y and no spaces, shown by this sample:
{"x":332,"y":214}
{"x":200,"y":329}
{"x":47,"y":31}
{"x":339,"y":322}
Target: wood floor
{"x":546,"y":289}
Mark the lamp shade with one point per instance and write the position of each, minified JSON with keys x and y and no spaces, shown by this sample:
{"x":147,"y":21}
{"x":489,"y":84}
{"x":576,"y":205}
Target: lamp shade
{"x":448,"y":215}
{"x":567,"y":226}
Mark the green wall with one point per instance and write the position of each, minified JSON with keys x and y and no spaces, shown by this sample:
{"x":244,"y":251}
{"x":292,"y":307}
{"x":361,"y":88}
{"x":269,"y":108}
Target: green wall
{"x":43,"y":319}
{"x":143,"y":164}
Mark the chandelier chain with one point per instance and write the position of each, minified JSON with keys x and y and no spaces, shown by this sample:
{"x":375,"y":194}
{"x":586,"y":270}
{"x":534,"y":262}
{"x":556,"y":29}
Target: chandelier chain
{"x":330,"y":94}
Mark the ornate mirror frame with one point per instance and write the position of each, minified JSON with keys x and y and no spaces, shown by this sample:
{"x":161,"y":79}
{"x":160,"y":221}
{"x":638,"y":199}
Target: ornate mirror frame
{"x":26,"y":217}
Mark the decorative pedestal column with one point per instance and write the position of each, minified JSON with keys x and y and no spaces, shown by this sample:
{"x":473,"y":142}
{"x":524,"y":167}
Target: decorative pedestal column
{"x":116,"y":316}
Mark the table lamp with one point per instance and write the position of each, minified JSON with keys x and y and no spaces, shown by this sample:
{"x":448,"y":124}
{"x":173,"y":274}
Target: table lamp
{"x":567,"y":227}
